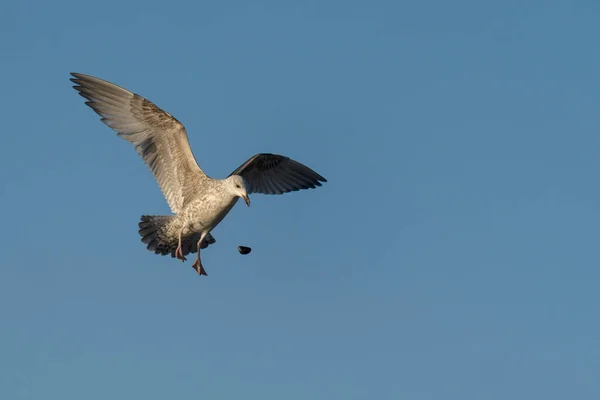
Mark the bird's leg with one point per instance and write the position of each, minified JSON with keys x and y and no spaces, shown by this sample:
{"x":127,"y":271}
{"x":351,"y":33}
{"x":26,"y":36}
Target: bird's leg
{"x":198,"y":264}
{"x":179,"y":250}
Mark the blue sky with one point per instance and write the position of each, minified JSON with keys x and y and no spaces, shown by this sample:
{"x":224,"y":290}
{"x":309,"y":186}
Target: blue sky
{"x":453,"y":254}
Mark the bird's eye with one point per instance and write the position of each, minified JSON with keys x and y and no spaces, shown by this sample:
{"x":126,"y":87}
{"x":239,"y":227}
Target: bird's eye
{"x":237,"y":186}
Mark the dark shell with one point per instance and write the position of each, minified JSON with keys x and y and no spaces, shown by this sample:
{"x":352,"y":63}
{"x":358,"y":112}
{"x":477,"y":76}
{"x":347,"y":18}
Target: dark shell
{"x":244,"y":250}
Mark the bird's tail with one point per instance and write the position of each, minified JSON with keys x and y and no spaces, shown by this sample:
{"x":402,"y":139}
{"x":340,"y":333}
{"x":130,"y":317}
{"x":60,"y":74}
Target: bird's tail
{"x":162,"y":238}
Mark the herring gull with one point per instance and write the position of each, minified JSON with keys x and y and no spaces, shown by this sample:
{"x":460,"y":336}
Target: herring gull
{"x":197,"y":201}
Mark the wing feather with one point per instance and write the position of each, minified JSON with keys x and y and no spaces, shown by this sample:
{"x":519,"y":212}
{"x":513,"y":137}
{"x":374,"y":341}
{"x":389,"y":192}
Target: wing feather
{"x":159,"y":138}
{"x":275,"y":174}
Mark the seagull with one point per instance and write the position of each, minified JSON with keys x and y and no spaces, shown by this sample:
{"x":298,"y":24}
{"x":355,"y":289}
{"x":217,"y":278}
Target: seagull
{"x":197,"y":201}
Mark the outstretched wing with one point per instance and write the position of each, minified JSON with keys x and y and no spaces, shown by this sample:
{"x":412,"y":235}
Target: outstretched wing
{"x":274,"y":174}
{"x":157,"y":136}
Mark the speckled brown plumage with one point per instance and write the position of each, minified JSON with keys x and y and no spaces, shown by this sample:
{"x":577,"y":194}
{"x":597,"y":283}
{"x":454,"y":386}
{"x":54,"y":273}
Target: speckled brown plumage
{"x":199,"y":202}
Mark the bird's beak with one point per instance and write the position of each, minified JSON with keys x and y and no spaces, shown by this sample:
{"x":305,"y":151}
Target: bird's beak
{"x":246,"y":199}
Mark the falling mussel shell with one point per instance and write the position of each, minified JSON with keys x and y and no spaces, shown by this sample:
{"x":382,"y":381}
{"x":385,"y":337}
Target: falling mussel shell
{"x":244,"y":250}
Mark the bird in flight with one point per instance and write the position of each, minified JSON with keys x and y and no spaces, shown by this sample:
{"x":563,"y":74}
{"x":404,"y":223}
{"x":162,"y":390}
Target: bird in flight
{"x":197,"y":201}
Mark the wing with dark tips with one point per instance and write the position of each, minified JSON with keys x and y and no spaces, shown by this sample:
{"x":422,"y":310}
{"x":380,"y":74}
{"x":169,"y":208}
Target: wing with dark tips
{"x":275,"y":174}
{"x":157,"y":136}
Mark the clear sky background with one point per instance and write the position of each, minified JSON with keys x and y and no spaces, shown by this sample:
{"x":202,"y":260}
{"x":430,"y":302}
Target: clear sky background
{"x":453,"y":254}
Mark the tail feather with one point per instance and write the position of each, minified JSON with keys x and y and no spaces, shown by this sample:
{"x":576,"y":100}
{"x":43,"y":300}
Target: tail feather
{"x":158,"y":235}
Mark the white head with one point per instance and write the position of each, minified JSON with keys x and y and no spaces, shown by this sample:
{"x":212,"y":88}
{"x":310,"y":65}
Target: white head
{"x":237,"y":187}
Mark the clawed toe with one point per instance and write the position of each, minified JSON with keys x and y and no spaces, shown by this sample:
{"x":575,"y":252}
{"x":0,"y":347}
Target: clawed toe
{"x":199,"y":268}
{"x":179,"y":254}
